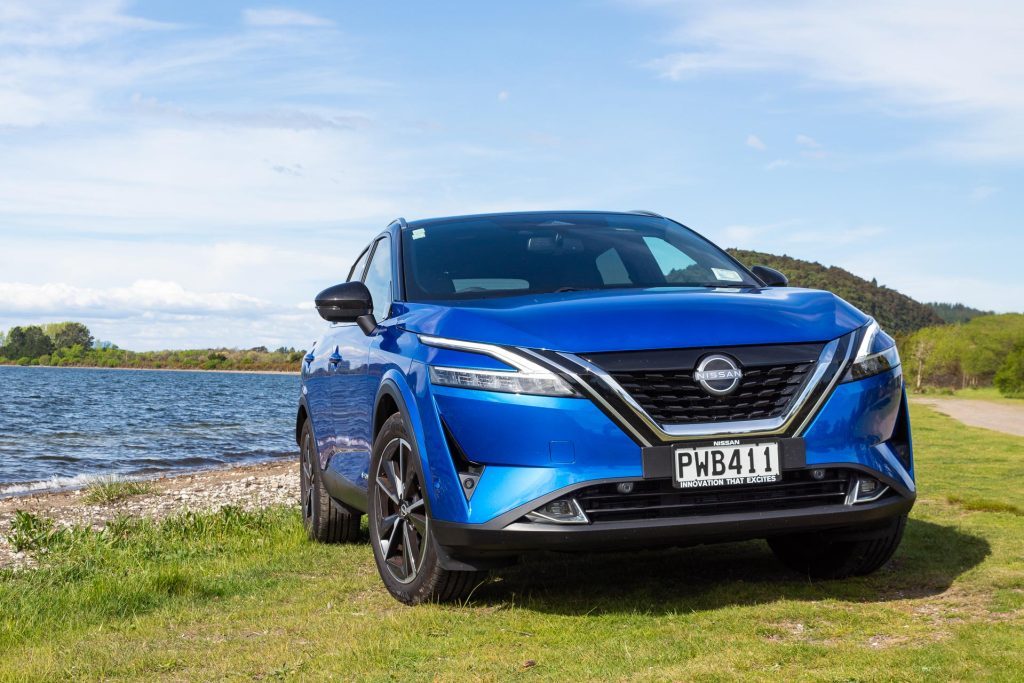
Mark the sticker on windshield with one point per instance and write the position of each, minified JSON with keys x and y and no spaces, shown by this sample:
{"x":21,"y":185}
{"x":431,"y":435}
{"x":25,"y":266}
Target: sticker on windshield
{"x":727,"y":275}
{"x":418,"y":233}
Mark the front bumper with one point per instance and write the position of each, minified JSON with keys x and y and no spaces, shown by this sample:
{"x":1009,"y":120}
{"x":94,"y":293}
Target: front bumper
{"x":466,"y":541}
{"x":863,"y":428}
{"x":863,"y":424}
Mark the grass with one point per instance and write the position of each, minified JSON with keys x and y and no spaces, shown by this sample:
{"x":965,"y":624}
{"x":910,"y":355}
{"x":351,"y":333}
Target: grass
{"x":112,"y":490}
{"x":245,"y":596}
{"x":989,"y":394}
{"x":984,"y":505}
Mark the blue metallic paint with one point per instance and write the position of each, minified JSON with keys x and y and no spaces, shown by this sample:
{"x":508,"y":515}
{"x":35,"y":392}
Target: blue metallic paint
{"x":867,"y":408}
{"x":512,"y":434}
{"x":633,"y":320}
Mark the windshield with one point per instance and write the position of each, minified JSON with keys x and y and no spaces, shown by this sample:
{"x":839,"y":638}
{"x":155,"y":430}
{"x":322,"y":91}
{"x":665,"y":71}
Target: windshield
{"x":505,"y":255}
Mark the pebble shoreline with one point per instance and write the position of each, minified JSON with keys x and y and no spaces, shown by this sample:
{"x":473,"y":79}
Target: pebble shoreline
{"x":249,"y":487}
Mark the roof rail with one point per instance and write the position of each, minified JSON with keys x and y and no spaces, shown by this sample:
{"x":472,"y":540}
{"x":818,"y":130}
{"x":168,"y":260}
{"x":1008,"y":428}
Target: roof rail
{"x":645,"y":212}
{"x":401,"y":222}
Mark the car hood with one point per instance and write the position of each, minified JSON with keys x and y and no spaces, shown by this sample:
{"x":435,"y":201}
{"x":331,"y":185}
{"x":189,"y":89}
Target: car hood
{"x":622,"y":320}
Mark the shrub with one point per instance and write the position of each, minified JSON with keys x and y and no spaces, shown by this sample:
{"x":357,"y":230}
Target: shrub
{"x":1010,"y":377}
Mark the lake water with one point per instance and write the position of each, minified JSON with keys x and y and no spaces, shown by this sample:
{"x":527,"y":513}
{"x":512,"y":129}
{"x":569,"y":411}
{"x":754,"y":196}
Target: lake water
{"x":63,"y":426}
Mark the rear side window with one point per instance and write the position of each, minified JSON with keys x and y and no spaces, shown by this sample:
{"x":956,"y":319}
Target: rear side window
{"x":676,"y":265}
{"x":378,"y":278}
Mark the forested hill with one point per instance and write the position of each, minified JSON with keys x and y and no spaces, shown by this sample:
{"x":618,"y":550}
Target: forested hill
{"x":957,"y":313}
{"x":895,"y":312}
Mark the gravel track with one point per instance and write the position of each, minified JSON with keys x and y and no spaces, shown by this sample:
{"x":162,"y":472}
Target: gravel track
{"x":980,"y":413}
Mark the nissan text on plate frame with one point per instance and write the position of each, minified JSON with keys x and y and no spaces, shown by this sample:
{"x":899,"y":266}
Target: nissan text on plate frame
{"x":499,"y":384}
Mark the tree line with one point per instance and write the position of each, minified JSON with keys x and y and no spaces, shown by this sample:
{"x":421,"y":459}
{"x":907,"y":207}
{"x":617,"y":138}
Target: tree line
{"x":71,"y":344}
{"x":985,"y":351}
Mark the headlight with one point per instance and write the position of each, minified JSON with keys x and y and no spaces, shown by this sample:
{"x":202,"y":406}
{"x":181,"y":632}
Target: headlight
{"x":875,"y":354}
{"x":527,"y":377}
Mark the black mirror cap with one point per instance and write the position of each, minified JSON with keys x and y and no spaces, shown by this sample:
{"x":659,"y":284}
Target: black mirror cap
{"x":344,"y":303}
{"x":770,"y":277}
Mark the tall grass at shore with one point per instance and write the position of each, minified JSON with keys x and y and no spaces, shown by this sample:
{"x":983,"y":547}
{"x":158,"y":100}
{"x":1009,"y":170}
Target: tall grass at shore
{"x":245,"y":595}
{"x":111,"y":490}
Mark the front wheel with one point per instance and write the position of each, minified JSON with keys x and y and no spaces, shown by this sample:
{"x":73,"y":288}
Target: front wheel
{"x":399,"y":521}
{"x":825,"y":556}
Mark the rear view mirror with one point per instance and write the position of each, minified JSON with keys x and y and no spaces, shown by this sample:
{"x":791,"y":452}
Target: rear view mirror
{"x":769,"y":276}
{"x":556,"y":244}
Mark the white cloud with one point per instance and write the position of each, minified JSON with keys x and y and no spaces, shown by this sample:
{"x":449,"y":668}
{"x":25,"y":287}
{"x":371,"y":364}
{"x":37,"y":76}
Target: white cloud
{"x":915,"y":275}
{"x":63,"y":24}
{"x":742,"y":235}
{"x":140,"y":298}
{"x":43,"y":78}
{"x":756,"y":143}
{"x":776,"y":164}
{"x":807,"y":141}
{"x":775,"y":236}
{"x":503,"y":96}
{"x":982,"y":192}
{"x":942,"y":58}
{"x":159,"y":314}
{"x":205,"y":176}
{"x":282,"y":17}
{"x":835,"y":237}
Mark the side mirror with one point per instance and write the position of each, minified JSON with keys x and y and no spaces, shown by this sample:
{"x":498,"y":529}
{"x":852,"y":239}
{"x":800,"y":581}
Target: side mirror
{"x":769,"y":276}
{"x":348,"y":302}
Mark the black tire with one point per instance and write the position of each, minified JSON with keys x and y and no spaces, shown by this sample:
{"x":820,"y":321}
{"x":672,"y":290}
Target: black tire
{"x":326,"y":520}
{"x":841,"y":554}
{"x":399,"y":521}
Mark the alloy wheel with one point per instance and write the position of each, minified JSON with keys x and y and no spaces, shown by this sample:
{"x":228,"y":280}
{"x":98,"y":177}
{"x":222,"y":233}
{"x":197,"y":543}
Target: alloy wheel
{"x":400,"y":511}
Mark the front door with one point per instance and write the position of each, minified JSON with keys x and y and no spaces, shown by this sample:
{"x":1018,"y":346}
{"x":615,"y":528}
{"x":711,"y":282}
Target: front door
{"x":352,"y":389}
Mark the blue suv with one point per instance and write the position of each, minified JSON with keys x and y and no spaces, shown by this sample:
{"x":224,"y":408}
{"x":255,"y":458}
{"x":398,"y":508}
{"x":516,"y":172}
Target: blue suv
{"x":497,"y":384}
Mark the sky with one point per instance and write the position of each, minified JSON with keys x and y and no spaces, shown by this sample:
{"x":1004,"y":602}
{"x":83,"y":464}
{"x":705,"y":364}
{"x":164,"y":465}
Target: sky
{"x":181,"y":173}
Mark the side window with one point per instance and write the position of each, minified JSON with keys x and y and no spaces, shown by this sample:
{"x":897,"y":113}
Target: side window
{"x":378,"y":278}
{"x":676,"y":265}
{"x":357,"y":268}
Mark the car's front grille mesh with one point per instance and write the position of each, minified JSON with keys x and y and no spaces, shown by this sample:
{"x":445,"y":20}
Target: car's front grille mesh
{"x":654,"y":499}
{"x":673,"y":397}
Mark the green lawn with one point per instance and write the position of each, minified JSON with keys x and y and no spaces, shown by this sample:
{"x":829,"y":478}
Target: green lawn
{"x":246,"y":596}
{"x":988,"y":394}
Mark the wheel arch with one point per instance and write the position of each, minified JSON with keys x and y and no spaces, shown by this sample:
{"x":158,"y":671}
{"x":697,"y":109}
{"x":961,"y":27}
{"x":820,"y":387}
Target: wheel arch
{"x":394,"y":396}
{"x":397,"y":394}
{"x":301,"y":415}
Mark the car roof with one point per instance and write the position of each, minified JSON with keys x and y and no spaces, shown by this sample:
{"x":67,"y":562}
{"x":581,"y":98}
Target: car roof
{"x":427,"y":221}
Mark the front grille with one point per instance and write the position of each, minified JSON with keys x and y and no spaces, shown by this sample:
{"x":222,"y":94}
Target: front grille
{"x":654,"y":499}
{"x":674,"y":397}
{"x":662,"y":383}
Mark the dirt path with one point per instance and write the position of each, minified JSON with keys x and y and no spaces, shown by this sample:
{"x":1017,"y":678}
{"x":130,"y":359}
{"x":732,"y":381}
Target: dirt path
{"x":978,"y":413}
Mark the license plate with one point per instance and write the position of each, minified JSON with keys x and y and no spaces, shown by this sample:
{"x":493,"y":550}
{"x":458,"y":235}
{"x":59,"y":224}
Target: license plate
{"x":726,"y":464}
